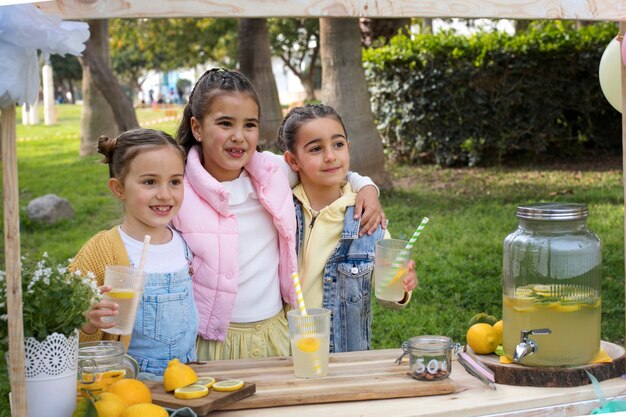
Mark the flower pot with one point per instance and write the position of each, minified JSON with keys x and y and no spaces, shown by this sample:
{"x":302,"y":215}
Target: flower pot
{"x":51,"y":368}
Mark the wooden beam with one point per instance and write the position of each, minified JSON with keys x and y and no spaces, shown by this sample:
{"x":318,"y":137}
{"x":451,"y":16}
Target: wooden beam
{"x":12,"y":259}
{"x":622,"y":31}
{"x":472,"y":9}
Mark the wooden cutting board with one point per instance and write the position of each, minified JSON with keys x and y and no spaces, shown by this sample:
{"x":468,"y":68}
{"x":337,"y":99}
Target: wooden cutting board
{"x":201,"y":406}
{"x":352,"y":376}
{"x":536,"y":376}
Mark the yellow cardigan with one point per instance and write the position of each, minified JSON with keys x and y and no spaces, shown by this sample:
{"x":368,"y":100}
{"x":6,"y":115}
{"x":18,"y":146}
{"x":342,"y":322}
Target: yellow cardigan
{"x":105,"y":248}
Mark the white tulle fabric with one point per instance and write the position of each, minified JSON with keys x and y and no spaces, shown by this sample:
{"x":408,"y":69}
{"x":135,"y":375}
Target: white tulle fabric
{"x":23,"y":30}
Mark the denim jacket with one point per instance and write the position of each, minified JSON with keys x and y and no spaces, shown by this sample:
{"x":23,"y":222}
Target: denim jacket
{"x":347,"y":285}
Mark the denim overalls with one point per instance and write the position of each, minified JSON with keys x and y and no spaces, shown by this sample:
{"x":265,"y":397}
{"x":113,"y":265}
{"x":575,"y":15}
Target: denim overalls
{"x":347,"y":285}
{"x":167,"y":321}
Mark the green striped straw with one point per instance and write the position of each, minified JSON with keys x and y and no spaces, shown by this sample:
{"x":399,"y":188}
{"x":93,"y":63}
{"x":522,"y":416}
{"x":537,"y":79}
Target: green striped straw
{"x":403,"y":256}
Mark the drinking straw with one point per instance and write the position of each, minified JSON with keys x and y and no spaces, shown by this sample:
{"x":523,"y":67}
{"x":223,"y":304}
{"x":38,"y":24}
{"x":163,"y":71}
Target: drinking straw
{"x":403,"y":256}
{"x":300,"y":298}
{"x":144,"y":255}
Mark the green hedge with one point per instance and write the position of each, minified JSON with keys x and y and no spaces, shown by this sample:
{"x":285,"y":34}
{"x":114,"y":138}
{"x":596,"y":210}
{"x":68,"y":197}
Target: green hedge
{"x":490,"y":97}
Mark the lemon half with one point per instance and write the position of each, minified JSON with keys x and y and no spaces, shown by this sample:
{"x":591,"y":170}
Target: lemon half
{"x":229,"y":385}
{"x":191,"y":391}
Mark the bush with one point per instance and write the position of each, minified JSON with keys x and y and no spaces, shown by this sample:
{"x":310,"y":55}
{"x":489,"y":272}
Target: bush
{"x":465,"y":100}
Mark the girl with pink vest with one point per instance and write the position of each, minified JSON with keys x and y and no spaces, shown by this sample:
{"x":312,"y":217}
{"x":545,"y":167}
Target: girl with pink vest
{"x":238,"y":219}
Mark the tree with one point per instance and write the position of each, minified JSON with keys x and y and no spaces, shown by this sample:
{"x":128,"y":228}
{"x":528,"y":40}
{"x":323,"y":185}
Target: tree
{"x":141,"y":45}
{"x":255,"y":62}
{"x":297,"y":43}
{"x":97,"y":117}
{"x":344,"y":87}
{"x":94,"y":57}
{"x":67,"y":72}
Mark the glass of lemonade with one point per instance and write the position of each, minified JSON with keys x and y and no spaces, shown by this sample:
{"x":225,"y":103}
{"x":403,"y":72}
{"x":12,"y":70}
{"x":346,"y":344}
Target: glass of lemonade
{"x":389,"y":271}
{"x":126,"y":288}
{"x":309,"y":335}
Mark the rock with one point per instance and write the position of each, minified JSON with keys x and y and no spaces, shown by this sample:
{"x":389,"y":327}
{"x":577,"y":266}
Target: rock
{"x":49,"y":209}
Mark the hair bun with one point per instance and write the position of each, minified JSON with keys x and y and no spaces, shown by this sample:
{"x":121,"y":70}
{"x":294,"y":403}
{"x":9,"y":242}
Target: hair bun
{"x":105,"y":147}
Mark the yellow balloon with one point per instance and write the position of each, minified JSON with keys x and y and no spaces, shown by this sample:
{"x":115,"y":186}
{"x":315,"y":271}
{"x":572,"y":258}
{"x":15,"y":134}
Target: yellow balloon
{"x":610,"y":74}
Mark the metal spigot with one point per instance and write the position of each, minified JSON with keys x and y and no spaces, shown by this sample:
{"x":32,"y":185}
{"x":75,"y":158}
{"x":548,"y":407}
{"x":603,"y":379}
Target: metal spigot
{"x":527,"y":346}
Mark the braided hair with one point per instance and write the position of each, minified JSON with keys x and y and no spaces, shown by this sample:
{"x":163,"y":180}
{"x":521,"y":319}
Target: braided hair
{"x":210,"y":85}
{"x":119,"y":152}
{"x":297,"y":116}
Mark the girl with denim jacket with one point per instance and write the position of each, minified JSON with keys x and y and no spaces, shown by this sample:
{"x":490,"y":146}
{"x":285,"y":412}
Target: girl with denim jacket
{"x":335,"y":265}
{"x":238,"y":219}
{"x":146,"y":169}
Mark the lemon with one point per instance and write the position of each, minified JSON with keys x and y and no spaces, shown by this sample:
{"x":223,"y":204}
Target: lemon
{"x":482,"y":338}
{"x":191,"y":391}
{"x":109,"y":405}
{"x":567,"y":307}
{"x":132,"y":391}
{"x":308,"y":344}
{"x":229,"y":385}
{"x":121,"y":294}
{"x":498,"y":329}
{"x":145,"y":410}
{"x":207,"y":381}
{"x":178,"y":375}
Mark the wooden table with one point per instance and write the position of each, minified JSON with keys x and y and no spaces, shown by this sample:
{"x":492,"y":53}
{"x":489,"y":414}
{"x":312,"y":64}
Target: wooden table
{"x":471,"y":398}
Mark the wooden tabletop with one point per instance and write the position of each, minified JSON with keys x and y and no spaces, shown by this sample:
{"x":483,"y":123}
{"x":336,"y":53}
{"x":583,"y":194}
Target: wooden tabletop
{"x":471,"y":398}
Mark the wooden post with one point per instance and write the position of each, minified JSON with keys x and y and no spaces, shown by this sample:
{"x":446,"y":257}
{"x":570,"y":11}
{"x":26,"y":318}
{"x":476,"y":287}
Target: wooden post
{"x":17,"y":373}
{"x":622,"y":30}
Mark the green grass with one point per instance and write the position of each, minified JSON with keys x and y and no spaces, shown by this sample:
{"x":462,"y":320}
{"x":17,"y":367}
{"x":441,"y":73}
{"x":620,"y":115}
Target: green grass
{"x":458,"y":256}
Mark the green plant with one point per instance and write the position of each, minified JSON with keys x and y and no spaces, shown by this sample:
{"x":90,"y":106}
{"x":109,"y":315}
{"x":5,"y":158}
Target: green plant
{"x":54,"y":299}
{"x":492,"y":97}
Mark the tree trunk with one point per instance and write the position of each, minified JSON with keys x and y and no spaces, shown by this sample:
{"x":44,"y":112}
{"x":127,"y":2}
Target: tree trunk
{"x":97,"y":117}
{"x":344,"y":87}
{"x":255,"y":62}
{"x":103,"y":78}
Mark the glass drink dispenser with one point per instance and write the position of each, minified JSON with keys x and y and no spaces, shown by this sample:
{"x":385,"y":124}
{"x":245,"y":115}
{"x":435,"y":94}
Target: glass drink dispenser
{"x":551,"y":291}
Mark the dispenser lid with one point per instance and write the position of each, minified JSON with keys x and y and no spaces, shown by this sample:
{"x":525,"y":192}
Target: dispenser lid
{"x":553,"y":211}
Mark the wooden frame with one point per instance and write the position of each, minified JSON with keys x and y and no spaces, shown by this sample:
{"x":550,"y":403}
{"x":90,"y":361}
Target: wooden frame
{"x":612,"y":10}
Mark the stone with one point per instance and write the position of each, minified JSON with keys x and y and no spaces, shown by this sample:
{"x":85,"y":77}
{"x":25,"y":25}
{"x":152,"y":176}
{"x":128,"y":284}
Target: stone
{"x":49,"y":209}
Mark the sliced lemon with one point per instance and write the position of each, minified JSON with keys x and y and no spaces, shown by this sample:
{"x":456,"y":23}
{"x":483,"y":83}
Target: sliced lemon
{"x":115,"y":373}
{"x":229,"y":385}
{"x":308,"y":344}
{"x":542,"y":289}
{"x":122,"y":294}
{"x":206,"y":381}
{"x":567,"y":308}
{"x":191,"y":391}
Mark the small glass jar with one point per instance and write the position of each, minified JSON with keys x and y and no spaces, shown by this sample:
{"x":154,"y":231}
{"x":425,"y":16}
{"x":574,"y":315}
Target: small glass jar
{"x":430,"y":357}
{"x":102,"y":363}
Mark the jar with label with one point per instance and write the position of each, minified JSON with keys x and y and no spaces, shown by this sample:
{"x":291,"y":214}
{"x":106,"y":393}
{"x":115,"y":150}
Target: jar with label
{"x":102,"y":363}
{"x":430,"y":357}
{"x":552,"y":268}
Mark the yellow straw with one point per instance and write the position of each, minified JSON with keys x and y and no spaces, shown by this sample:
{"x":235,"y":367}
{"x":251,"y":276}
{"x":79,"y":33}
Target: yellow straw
{"x":299,"y":297}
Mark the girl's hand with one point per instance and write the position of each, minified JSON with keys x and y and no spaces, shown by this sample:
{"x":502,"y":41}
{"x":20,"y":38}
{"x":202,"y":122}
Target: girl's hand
{"x":99,"y":310}
{"x":410,"y":280}
{"x":368,"y":206}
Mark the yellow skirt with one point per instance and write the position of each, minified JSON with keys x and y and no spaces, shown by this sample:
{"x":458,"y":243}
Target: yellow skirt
{"x":259,"y":339}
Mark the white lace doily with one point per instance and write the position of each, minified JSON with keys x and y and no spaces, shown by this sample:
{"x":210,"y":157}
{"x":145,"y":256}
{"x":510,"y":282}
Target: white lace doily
{"x":55,"y":356}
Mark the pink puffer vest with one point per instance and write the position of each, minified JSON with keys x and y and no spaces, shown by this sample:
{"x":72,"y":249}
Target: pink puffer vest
{"x":211,"y":232}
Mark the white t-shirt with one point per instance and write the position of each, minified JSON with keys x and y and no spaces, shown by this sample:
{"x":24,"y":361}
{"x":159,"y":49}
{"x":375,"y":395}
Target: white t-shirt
{"x":168,"y":257}
{"x":258,"y":294}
